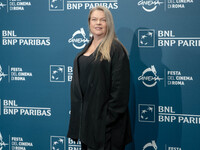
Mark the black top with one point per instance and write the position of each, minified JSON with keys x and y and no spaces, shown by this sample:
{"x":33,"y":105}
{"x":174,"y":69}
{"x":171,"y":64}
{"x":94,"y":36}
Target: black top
{"x":84,"y":70}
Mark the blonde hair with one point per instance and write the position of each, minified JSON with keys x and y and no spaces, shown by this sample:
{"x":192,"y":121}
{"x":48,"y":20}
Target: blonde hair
{"x":105,"y":45}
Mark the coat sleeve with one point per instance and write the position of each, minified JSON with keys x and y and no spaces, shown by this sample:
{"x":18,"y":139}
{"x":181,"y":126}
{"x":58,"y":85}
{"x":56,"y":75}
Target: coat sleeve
{"x":120,"y":82}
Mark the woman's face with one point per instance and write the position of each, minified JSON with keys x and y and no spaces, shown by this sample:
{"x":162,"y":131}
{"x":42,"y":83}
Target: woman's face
{"x":98,"y":24}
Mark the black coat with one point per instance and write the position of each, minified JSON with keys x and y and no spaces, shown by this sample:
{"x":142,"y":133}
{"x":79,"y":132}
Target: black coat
{"x":104,"y":108}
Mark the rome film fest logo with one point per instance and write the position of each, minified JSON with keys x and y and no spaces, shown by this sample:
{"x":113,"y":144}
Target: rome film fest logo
{"x":149,"y":77}
{"x":2,"y":143}
{"x":2,"y":5}
{"x":152,"y":5}
{"x":79,"y":39}
{"x":153,"y":146}
{"x":2,"y":74}
{"x":15,"y":5}
{"x":150,"y":144}
{"x":146,"y":38}
{"x":149,"y":5}
{"x":16,"y":143}
{"x":15,"y":74}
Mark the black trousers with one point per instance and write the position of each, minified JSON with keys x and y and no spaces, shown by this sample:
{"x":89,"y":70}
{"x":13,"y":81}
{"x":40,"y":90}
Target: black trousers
{"x":85,"y":147}
{"x":107,"y":145}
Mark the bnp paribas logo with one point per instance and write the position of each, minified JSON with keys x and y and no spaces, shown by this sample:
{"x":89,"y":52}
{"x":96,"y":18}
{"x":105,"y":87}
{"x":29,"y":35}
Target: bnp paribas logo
{"x":2,"y":143}
{"x":57,"y":73}
{"x":149,"y":5}
{"x":2,"y":75}
{"x":56,"y":5}
{"x":146,"y":38}
{"x":146,"y":113}
{"x":57,"y":143}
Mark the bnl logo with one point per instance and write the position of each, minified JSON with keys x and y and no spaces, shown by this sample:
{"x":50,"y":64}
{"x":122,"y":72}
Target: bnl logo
{"x":57,"y":73}
{"x":57,"y":143}
{"x":146,"y":38}
{"x":146,"y":113}
{"x":56,"y":5}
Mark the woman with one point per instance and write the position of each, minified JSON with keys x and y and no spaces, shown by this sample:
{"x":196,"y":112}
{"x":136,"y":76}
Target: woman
{"x":100,"y":88}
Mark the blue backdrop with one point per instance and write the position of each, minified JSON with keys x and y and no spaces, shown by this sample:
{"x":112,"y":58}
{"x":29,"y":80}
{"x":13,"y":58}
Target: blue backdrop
{"x":40,"y":39}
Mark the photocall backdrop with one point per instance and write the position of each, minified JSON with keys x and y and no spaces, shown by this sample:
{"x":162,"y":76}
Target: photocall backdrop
{"x":39,"y":40}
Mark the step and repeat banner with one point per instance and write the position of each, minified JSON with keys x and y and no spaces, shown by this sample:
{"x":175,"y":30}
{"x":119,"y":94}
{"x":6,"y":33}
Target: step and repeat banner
{"x":39,"y":40}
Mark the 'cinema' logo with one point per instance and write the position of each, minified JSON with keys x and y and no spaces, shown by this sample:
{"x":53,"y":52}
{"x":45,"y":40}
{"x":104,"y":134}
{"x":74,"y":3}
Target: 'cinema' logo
{"x":2,"y":74}
{"x":149,"y":5}
{"x":149,"y":77}
{"x":2,"y":143}
{"x":151,"y":144}
{"x":79,"y":39}
{"x":2,"y":5}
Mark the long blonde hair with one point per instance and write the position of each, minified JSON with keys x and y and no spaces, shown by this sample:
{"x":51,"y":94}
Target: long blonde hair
{"x":105,"y":45}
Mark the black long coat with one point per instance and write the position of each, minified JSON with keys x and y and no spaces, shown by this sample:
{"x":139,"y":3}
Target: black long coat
{"x":104,"y":108}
